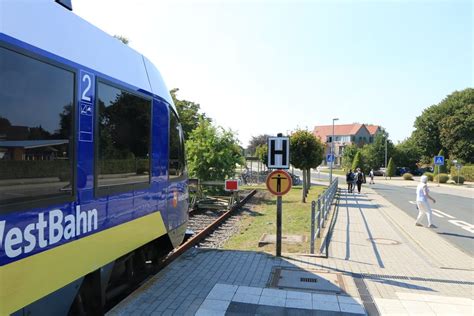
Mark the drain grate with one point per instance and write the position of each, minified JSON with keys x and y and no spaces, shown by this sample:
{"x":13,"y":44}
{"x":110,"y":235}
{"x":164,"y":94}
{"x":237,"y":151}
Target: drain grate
{"x":311,"y":280}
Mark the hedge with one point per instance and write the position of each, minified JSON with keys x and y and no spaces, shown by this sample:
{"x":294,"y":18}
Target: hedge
{"x":466,"y":171}
{"x":115,"y":166}
{"x":429,"y":175}
{"x":22,"y":169}
{"x":457,"y":179}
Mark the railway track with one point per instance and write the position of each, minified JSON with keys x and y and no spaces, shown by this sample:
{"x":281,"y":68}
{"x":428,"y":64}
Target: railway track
{"x":211,"y":229}
{"x":206,"y":223}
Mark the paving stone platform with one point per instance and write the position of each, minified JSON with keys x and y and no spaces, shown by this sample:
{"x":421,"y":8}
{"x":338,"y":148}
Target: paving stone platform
{"x":385,"y":263}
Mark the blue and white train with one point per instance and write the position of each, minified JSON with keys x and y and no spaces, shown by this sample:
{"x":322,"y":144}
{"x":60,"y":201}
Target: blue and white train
{"x":93,"y":182}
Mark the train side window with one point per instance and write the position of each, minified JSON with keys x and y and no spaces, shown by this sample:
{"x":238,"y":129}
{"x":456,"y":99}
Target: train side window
{"x":176,"y":156}
{"x":124,"y":139}
{"x":36,"y":129}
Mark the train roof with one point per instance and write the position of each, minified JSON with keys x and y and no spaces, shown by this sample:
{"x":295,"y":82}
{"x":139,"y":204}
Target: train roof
{"x":51,"y":27}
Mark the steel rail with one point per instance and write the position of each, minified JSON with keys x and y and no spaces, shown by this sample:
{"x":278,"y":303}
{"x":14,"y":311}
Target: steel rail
{"x":191,"y":242}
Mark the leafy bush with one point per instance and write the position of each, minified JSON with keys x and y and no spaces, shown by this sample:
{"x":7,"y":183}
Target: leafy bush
{"x":429,"y":175}
{"x":457,"y":180}
{"x":441,"y":178}
{"x":117,"y":166}
{"x":407,"y":176}
{"x":466,"y":171}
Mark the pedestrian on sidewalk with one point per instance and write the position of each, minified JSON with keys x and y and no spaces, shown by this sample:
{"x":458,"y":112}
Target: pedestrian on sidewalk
{"x":360,"y":177}
{"x":371,"y":175}
{"x":349,"y":180}
{"x":422,"y":196}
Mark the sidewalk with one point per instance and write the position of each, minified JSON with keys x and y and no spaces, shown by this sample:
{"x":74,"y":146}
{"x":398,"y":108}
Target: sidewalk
{"x":411,"y":269}
{"x":379,"y":263}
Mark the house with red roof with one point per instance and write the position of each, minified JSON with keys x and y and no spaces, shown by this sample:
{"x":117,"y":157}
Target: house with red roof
{"x":345,"y":135}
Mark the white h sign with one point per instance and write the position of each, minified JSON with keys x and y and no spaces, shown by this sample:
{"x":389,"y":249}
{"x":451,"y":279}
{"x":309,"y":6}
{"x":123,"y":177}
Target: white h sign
{"x":278,"y":152}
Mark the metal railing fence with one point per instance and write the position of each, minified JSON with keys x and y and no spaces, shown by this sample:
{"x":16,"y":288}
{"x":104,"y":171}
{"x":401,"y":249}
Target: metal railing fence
{"x":320,"y":210}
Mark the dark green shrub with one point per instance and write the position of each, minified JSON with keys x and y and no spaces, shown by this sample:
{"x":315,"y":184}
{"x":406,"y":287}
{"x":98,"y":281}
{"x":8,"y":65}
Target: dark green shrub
{"x":356,"y":163}
{"x":116,"y":166}
{"x":142,"y":170}
{"x":23,"y":169}
{"x":466,"y":171}
{"x":391,"y":168}
{"x":429,"y":175}
{"x":407,"y":176}
{"x":458,"y":180}
{"x":441,"y":178}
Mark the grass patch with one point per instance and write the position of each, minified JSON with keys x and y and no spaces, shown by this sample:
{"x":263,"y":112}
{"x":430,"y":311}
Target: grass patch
{"x":296,"y":220}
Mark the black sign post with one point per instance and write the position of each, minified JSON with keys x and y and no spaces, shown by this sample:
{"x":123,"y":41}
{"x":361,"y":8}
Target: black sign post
{"x":278,"y":236}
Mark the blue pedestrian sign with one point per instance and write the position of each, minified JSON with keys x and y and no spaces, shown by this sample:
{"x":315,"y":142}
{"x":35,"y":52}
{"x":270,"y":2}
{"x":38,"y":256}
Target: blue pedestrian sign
{"x":439,"y":160}
{"x":330,"y":158}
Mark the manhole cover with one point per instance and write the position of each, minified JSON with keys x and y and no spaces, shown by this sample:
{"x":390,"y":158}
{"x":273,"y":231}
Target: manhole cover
{"x":286,"y":239}
{"x":384,"y":241}
{"x":308,"y":280}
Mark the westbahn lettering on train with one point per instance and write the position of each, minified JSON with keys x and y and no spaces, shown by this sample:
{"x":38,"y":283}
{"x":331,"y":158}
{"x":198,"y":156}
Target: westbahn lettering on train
{"x":49,"y":229}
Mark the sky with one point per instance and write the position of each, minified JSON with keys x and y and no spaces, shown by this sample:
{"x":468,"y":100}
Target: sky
{"x":264,"y":67}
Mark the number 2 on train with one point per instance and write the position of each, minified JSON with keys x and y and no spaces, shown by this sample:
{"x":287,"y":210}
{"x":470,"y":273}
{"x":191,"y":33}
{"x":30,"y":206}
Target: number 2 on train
{"x":87,"y":90}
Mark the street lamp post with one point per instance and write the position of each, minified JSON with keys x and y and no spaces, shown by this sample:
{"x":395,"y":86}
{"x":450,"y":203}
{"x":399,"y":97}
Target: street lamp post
{"x":332,"y":150}
{"x":385,"y":134}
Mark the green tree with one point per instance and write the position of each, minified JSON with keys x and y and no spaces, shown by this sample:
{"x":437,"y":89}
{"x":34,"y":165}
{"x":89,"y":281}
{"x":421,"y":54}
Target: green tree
{"x":374,"y":154}
{"x":255,"y":142}
{"x":456,"y":132}
{"x":447,"y":125}
{"x":122,"y":38}
{"x":212,"y":152}
{"x":262,"y":153}
{"x":426,"y":133}
{"x":357,"y":162}
{"x":4,"y":125}
{"x":391,"y":168}
{"x":188,"y":113}
{"x":407,"y":154}
{"x":306,"y":152}
{"x":348,"y":156}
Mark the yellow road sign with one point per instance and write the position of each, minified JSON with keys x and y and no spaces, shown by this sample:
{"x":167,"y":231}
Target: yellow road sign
{"x":279,"y":182}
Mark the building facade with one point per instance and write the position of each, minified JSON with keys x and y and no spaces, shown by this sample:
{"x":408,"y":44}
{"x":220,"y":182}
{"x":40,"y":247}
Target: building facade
{"x":345,"y":135}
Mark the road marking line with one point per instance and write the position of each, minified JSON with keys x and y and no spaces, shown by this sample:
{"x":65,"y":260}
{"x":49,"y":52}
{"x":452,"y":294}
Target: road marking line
{"x":436,"y":214}
{"x":443,"y":213}
{"x":464,"y":225}
{"x":412,"y":202}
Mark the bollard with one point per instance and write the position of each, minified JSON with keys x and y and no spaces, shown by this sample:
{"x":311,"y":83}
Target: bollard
{"x":313,"y":206}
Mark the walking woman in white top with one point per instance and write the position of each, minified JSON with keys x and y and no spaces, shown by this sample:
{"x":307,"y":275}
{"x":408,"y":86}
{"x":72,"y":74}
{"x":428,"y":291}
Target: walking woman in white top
{"x":422,"y":196}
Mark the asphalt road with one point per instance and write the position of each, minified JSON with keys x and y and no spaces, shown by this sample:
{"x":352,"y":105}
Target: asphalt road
{"x":453,"y":215}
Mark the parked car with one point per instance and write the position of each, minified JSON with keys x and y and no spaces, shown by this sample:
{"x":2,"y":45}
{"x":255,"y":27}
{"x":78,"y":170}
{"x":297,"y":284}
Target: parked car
{"x":421,"y":171}
{"x":400,"y":171}
{"x":379,"y":172}
{"x":295,"y":179}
